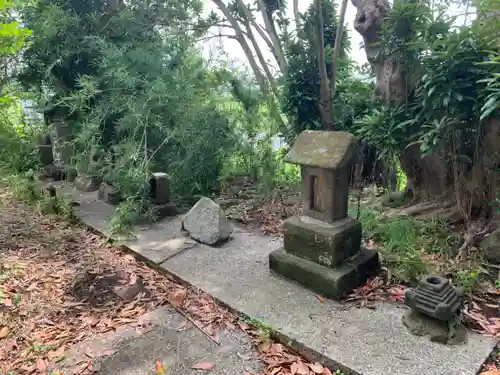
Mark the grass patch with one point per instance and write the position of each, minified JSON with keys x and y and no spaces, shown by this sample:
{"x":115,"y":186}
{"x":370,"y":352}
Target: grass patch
{"x":25,"y":188}
{"x":408,"y":246}
{"x":412,"y":247}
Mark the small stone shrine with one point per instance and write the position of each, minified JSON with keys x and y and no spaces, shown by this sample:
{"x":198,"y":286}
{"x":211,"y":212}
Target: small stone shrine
{"x":322,"y":247}
{"x":159,"y":193}
{"x":435,"y":311}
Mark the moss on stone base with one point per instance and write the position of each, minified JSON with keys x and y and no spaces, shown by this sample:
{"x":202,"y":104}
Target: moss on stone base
{"x":328,"y":244}
{"x":329,"y":282}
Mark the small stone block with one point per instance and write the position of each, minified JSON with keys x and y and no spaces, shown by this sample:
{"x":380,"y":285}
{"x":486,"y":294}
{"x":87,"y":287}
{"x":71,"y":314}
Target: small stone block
{"x":435,"y":297}
{"x":86,"y":183}
{"x":162,"y":211}
{"x":328,"y":282}
{"x":328,"y":244}
{"x":60,"y":172}
{"x":45,"y":154}
{"x":109,"y":194}
{"x":160,"y":188}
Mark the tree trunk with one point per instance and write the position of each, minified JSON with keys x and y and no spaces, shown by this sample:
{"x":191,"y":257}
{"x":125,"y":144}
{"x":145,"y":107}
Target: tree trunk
{"x":428,"y":176}
{"x":336,"y":47}
{"x":325,"y":94}
{"x":260,"y":56}
{"x":273,"y":35}
{"x":244,"y":45}
{"x":296,"y":15}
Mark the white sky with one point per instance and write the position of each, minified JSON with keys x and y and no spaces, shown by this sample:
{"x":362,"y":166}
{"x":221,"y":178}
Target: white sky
{"x":218,"y":47}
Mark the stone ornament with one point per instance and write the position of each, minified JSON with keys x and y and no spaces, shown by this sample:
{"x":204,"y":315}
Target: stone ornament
{"x":435,"y":297}
{"x":435,"y":311}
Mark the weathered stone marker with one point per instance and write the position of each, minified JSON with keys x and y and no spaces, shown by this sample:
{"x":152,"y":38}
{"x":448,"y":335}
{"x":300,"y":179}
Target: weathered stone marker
{"x":45,"y":150}
{"x":57,"y":166}
{"x":435,"y":311}
{"x":322,"y":247}
{"x":159,"y":193}
{"x":159,"y":186}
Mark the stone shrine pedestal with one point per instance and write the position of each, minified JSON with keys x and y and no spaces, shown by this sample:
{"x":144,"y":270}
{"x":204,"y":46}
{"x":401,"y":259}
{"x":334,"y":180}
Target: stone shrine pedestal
{"x":322,"y":247}
{"x":333,"y":266}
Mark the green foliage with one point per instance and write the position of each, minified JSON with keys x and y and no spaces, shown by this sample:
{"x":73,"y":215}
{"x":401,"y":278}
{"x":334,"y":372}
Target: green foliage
{"x":301,"y":83}
{"x":468,"y":280}
{"x":403,"y":241}
{"x":451,"y":74}
{"x":24,"y":187}
{"x":387,"y":129}
{"x":12,"y":37}
{"x":138,"y":97}
{"x":491,"y":105}
{"x":18,"y":152}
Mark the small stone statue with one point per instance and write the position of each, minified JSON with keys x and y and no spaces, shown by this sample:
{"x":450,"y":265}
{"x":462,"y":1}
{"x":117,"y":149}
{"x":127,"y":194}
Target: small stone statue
{"x":435,"y":311}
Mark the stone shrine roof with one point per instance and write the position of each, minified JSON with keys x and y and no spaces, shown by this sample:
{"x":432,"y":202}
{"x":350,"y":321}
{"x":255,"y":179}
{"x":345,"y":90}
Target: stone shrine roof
{"x":323,"y":149}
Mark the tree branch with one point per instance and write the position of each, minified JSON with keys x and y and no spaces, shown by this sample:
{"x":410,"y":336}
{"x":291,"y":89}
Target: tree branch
{"x":336,"y":48}
{"x":208,"y":37}
{"x":271,"y":30}
{"x":244,"y":45}
{"x":246,"y":20}
{"x":325,"y":102}
{"x":296,"y":15}
{"x":263,"y":35}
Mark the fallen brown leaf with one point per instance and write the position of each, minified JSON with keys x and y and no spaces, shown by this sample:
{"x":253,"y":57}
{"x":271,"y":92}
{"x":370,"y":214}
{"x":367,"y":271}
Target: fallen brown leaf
{"x":203,"y":366}
{"x":82,"y":367}
{"x":41,"y":365}
{"x":264,"y":347}
{"x":320,"y":299}
{"x":299,"y":368}
{"x":4,"y":332}
{"x":244,"y":326}
{"x":32,"y":287}
{"x":491,"y":372}
{"x":54,"y":354}
{"x":317,"y":368}
{"x":177,"y":297}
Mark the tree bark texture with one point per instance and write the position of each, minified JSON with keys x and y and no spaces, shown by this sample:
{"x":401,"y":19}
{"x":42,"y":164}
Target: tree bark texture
{"x":427,"y":176}
{"x":325,"y":94}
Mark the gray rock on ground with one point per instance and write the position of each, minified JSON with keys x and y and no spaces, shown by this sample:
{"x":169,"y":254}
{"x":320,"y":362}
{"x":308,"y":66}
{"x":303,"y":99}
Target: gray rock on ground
{"x":491,"y":247}
{"x":207,"y":223}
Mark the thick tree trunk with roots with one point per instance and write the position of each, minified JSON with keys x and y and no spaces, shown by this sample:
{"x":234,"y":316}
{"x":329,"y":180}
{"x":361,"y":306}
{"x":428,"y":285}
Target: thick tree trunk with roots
{"x":428,"y":175}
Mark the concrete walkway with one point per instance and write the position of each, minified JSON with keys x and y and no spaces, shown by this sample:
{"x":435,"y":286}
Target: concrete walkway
{"x":170,"y":339}
{"x":360,"y":341}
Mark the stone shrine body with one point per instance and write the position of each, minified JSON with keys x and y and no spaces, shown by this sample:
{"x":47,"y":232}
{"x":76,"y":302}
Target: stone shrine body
{"x":322,"y":247}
